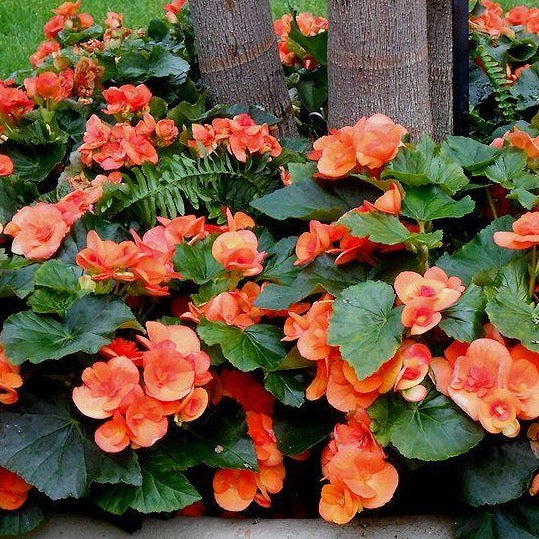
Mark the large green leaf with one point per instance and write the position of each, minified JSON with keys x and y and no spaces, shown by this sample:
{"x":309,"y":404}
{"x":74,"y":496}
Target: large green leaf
{"x":49,"y":449}
{"x":515,"y":318}
{"x":279,"y":263}
{"x":287,"y":386}
{"x":480,"y":260}
{"x":21,"y":521}
{"x":433,"y":429}
{"x":497,"y":473}
{"x":471,"y":154}
{"x":463,"y":320}
{"x":34,"y":163}
{"x":509,"y":163}
{"x":196,"y":262}
{"x":162,"y":490}
{"x":256,"y":346}
{"x":90,"y":323}
{"x":365,"y":326}
{"x":387,"y":229}
{"x":312,"y":199}
{"x":16,"y":277}
{"x":430,"y":202}
{"x":519,"y":520}
{"x":321,"y":275}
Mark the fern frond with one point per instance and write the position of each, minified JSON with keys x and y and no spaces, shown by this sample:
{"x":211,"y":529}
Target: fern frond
{"x":182,"y":184}
{"x":498,"y":79}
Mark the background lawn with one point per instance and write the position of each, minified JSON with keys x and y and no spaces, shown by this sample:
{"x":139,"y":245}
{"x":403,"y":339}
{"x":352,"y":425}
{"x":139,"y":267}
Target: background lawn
{"x":21,"y":23}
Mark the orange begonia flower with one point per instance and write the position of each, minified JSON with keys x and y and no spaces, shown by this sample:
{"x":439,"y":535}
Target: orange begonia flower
{"x":420,"y":315}
{"x":49,"y":85}
{"x":246,"y":389}
{"x":238,"y":251}
{"x":335,"y":153}
{"x":106,"y":259}
{"x":127,"y":99}
{"x":498,"y":413}
{"x":524,"y":141}
{"x":13,"y":490}
{"x":234,"y":489}
{"x":390,"y":202}
{"x":491,"y":21}
{"x":44,"y":51}
{"x":104,"y":387}
{"x":38,"y":231}
{"x":524,"y":381}
{"x":416,"y":359}
{"x":167,"y":375}
{"x":193,"y":405}
{"x":317,"y":241}
{"x":525,"y":233}
{"x":338,"y":504}
{"x":112,"y":436}
{"x":10,"y":380}
{"x":146,"y":421}
{"x":6,"y":165}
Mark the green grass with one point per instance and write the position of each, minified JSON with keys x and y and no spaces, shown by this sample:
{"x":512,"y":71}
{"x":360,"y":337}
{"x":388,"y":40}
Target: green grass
{"x":21,"y":23}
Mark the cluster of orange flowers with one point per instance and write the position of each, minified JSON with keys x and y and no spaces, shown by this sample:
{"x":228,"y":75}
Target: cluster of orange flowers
{"x":309,"y":26}
{"x":113,"y":147}
{"x":493,"y":383}
{"x":371,"y":143}
{"x":67,"y":17}
{"x":425,"y":296}
{"x":39,"y":230}
{"x":241,"y":136}
{"x":358,"y":473}
{"x":235,"y":490}
{"x":494,"y":22}
{"x":322,"y":237}
{"x":173,"y":371}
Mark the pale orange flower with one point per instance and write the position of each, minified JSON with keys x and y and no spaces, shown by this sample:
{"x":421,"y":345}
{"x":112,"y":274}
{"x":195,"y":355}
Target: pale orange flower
{"x":390,"y":202}
{"x":238,"y":251}
{"x":524,"y":141}
{"x":6,"y":165}
{"x":193,"y":405}
{"x":338,"y":504}
{"x":234,"y":489}
{"x":146,"y":420}
{"x":112,"y":436}
{"x":525,"y":233}
{"x":10,"y":380}
{"x":317,"y":241}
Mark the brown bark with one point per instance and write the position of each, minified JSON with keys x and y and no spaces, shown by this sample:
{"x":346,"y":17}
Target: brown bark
{"x":239,"y":63}
{"x":378,"y":62}
{"x":440,"y":36}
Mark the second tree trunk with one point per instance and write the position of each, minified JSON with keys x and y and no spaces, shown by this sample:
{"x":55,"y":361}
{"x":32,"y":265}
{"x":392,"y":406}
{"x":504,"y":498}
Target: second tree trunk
{"x":238,"y":57}
{"x":378,"y":62}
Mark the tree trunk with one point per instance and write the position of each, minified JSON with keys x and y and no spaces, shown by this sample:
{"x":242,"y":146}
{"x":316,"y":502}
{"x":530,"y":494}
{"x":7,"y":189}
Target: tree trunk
{"x":378,"y":62}
{"x":440,"y":35}
{"x":238,"y":59}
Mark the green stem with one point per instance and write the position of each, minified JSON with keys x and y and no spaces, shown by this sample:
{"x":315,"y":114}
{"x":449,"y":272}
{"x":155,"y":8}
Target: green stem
{"x":423,"y":251}
{"x":533,"y":273}
{"x":491,"y":203}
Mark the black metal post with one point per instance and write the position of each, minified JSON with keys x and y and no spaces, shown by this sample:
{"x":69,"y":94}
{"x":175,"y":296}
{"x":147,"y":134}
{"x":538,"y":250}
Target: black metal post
{"x":461,"y":71}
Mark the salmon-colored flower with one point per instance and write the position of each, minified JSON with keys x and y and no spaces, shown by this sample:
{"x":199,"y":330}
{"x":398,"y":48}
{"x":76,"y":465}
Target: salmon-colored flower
{"x":491,"y":21}
{"x":166,"y":132}
{"x":44,"y":51}
{"x":525,"y":233}
{"x":317,"y":241}
{"x":50,"y":86}
{"x":168,"y":376}
{"x":14,"y":103}
{"x":10,"y":380}
{"x":234,"y":489}
{"x":518,"y":15}
{"x":246,"y":389}
{"x":524,"y":381}
{"x":123,"y":347}
{"x":104,"y":387}
{"x":87,"y":76}
{"x":420,"y":316}
{"x":6,"y":165}
{"x":390,"y":202}
{"x":335,"y":153}
{"x":13,"y":490}
{"x":127,"y":99}
{"x":193,"y":405}
{"x":106,"y":259}
{"x":112,"y":436}
{"x":338,"y":504}
{"x":173,"y":9}
{"x":73,"y":206}
{"x":416,"y":359}
{"x":146,"y":420}
{"x":185,"y":227}
{"x":524,"y":141}
{"x":37,"y":230}
{"x":238,"y":251}
{"x":498,"y":413}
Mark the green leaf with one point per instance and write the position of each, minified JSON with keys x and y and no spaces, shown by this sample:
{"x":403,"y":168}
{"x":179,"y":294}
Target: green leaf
{"x":312,"y":199}
{"x":300,"y":429}
{"x":58,"y":275}
{"x":480,"y":260}
{"x":430,"y":202}
{"x":365,"y":326}
{"x":257,"y":346}
{"x":279,"y":263}
{"x":387,"y":229}
{"x":16,"y":277}
{"x":463,"y":320}
{"x":196,"y":262}
{"x":519,"y":520}
{"x":288,"y":387}
{"x":21,"y":521}
{"x":90,"y":323}
{"x":471,"y":154}
{"x":320,"y":275}
{"x":52,"y":451}
{"x":34,"y":163}
{"x":433,"y":429}
{"x":507,"y":165}
{"x":162,"y":490}
{"x":515,"y":318}
{"x":498,"y":473}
